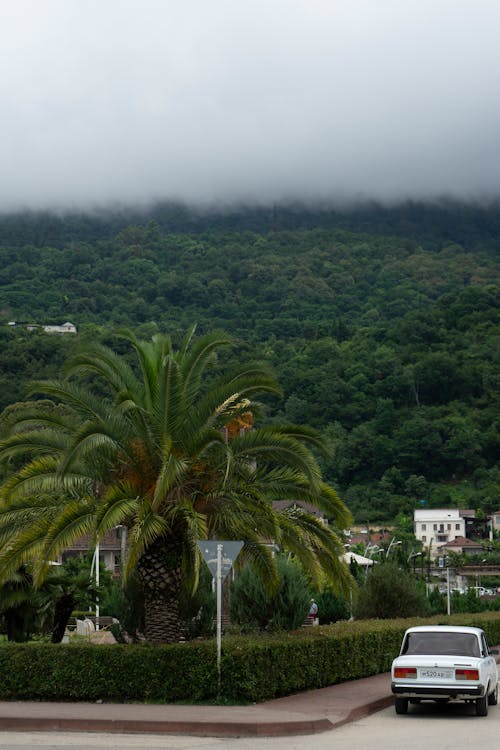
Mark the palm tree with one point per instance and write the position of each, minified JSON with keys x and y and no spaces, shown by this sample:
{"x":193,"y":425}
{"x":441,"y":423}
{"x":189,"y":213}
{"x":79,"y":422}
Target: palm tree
{"x":163,"y":447}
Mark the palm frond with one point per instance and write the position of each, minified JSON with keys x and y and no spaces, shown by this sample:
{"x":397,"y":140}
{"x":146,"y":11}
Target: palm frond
{"x":41,"y":476}
{"x":268,"y":446}
{"x":82,"y":401}
{"x":90,"y":439}
{"x":74,"y":521}
{"x":118,"y":507}
{"x":196,"y":354}
{"x":171,"y":474}
{"x":27,"y":546}
{"x":102,"y":361}
{"x":146,"y":527}
{"x":34,"y":441}
{"x":263,"y":561}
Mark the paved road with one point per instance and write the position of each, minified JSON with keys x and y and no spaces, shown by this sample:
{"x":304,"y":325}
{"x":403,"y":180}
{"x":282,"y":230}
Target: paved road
{"x":452,"y":727}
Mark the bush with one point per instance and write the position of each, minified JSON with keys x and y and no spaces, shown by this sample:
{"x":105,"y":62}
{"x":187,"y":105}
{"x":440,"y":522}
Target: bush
{"x":253,"y":607}
{"x":468,"y":602}
{"x":390,"y":592}
{"x":331,"y":607}
{"x":437,"y":603}
{"x":254,"y":668}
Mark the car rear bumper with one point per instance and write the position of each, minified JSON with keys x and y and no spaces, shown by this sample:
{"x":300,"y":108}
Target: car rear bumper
{"x":460,"y":692}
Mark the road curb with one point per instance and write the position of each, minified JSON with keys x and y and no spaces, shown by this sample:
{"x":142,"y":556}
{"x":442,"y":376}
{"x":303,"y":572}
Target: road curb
{"x":201,"y":728}
{"x":366,"y":710}
{"x":192,"y":728}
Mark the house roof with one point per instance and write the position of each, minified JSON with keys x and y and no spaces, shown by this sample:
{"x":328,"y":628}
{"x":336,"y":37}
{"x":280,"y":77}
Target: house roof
{"x":461,"y":541}
{"x":359,"y":559}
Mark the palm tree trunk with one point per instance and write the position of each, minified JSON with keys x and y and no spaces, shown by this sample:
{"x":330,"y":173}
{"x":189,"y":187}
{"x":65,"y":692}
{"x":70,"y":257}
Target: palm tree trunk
{"x":160,"y":576}
{"x":62,"y":612}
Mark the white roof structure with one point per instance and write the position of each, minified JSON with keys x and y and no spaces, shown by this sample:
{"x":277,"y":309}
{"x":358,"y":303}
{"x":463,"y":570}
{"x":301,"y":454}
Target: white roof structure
{"x":359,"y":559}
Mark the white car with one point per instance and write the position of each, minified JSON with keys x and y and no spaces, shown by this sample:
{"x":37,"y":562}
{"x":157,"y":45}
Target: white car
{"x":442,"y":663}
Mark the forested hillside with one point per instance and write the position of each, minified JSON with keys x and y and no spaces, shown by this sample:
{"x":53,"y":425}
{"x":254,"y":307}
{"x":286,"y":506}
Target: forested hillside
{"x":383,"y":326}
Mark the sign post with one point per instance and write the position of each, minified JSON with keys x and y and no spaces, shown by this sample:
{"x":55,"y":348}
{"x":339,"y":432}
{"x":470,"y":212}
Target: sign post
{"x":219,"y":609}
{"x":219,"y":556}
{"x":94,"y":570}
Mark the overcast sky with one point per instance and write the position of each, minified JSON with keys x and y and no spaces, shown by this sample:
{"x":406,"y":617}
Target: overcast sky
{"x":261,"y":100}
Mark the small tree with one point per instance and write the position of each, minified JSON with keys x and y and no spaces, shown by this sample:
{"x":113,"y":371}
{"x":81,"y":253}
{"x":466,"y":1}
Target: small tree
{"x":390,"y":592}
{"x":332,"y":607}
{"x":254,"y":607}
{"x":69,"y":587}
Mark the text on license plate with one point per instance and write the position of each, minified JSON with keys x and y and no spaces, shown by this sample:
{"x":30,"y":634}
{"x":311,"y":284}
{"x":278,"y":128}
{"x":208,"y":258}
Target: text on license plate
{"x":436,"y":674}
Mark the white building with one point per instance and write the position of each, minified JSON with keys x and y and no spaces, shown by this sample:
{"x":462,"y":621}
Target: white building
{"x":65,"y":328}
{"x":438,"y":525}
{"x":495,"y":520}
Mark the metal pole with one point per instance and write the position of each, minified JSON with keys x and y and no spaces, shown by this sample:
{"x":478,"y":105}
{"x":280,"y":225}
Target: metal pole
{"x":123,"y":547}
{"x":219,"y":611}
{"x":97,"y":581}
{"x":448,"y":601}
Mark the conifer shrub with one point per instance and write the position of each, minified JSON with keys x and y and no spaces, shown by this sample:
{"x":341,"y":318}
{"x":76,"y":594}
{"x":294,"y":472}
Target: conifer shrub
{"x":254,"y":607}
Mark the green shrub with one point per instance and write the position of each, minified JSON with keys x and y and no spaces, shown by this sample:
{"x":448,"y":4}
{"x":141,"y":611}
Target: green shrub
{"x":253,"y":607}
{"x":331,"y":607}
{"x":468,"y":602}
{"x":437,"y":603}
{"x":390,"y":592}
{"x":254,"y":668}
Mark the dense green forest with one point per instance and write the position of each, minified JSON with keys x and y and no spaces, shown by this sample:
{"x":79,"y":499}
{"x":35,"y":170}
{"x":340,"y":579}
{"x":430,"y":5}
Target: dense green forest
{"x":383,"y":325}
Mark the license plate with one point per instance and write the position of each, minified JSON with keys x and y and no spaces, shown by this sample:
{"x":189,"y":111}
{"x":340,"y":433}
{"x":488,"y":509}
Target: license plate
{"x":436,"y":674}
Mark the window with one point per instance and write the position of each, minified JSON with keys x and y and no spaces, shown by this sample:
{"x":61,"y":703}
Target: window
{"x":457,"y":527}
{"x":424,"y":527}
{"x":435,"y":527}
{"x":449,"y":527}
{"x":424,"y":538}
{"x":452,"y":644}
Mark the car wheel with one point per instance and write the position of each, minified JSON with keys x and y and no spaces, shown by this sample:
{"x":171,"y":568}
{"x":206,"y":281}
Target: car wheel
{"x":482,"y":706}
{"x":401,"y":705}
{"x":493,"y":697}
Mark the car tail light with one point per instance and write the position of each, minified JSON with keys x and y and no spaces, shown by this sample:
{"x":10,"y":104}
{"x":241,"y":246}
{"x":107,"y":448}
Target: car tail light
{"x":467,"y":674}
{"x":405,"y":673}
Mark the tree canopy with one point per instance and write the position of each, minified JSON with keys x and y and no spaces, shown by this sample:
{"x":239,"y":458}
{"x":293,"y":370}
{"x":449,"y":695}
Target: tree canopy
{"x":381,"y":324}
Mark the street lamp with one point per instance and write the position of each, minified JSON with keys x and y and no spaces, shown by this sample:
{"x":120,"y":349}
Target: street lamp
{"x":372,"y":549}
{"x":392,"y":544}
{"x":413,"y":557}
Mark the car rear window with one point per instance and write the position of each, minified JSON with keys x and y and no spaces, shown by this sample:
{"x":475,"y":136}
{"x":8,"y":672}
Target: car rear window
{"x":444,"y":644}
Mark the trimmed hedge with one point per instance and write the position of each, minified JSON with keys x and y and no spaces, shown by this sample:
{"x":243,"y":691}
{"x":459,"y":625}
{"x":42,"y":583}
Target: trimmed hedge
{"x":254,"y":668}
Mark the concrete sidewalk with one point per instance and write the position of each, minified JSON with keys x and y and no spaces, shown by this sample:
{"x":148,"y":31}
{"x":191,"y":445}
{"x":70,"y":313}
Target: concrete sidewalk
{"x":304,"y":713}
